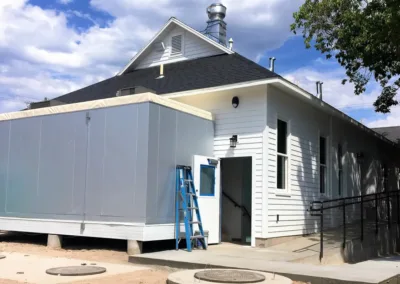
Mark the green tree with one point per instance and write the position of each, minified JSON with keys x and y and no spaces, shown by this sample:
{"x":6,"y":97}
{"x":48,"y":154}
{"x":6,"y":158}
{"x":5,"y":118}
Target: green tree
{"x":363,"y":36}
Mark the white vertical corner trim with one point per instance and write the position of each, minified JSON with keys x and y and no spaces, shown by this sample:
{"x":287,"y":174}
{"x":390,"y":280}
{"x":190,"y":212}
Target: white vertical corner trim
{"x":265,"y":169}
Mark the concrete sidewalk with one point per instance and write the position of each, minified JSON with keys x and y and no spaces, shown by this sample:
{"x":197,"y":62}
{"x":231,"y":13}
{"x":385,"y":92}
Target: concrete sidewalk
{"x":373,"y":271}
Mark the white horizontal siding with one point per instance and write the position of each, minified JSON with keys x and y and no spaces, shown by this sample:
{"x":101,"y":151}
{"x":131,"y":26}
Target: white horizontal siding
{"x":193,"y":47}
{"x":248,"y":121}
{"x":306,"y":124}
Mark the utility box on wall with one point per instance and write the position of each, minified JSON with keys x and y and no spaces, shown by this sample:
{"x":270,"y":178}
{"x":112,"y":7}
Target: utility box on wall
{"x":102,"y":161}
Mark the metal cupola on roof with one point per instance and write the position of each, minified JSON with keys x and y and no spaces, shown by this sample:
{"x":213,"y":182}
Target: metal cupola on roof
{"x":216,"y":27}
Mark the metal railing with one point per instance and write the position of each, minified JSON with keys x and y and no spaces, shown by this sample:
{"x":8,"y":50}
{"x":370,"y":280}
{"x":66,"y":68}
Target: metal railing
{"x":317,"y":208}
{"x":244,"y":209}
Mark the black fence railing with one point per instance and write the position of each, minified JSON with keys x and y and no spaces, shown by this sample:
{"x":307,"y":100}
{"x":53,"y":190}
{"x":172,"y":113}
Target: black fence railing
{"x":243,"y":208}
{"x":318,"y":208}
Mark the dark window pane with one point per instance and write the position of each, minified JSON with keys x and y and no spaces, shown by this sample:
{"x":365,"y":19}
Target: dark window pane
{"x":340,"y":183}
{"x":340,"y":156}
{"x":385,"y":177}
{"x":322,"y":179}
{"x":281,"y":182}
{"x":322,"y":150}
{"x":207,"y":180}
{"x":282,"y":137}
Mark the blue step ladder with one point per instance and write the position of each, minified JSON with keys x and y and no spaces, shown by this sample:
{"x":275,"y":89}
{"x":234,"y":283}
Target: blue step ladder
{"x":186,"y":203}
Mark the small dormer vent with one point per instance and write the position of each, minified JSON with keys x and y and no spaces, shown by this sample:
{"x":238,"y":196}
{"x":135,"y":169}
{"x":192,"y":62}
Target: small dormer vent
{"x":176,"y":45}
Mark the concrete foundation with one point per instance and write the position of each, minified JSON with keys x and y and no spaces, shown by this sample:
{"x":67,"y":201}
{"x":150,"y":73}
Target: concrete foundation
{"x":54,"y":241}
{"x":134,"y":247}
{"x":264,"y":243}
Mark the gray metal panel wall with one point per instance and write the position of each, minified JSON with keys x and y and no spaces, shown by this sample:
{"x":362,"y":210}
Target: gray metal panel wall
{"x":174,"y":138}
{"x":117,"y":164}
{"x":119,"y":167}
{"x":41,"y":166}
{"x":50,"y":169}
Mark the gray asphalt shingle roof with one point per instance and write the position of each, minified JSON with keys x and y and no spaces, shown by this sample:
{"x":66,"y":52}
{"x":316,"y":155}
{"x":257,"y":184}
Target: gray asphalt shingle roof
{"x":391,"y":133}
{"x":181,"y":76}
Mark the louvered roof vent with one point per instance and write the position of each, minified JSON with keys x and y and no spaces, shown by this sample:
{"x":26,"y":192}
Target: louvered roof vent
{"x":176,"y":45}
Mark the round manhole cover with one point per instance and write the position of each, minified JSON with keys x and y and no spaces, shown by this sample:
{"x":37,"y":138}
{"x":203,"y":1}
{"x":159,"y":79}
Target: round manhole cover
{"x":229,"y":276}
{"x":2,"y":256}
{"x":76,"y":270}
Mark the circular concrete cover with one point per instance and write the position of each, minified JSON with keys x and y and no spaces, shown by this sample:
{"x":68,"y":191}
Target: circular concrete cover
{"x":229,"y":276}
{"x":76,"y":270}
{"x":2,"y":256}
{"x":226,"y":276}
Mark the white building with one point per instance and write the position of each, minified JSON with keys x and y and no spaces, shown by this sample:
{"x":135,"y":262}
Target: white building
{"x":292,"y":147}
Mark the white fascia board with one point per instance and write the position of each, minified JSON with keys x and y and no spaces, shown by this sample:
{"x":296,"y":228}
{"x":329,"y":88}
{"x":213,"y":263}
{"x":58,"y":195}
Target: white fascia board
{"x":219,"y":88}
{"x":182,"y":25}
{"x":296,"y":90}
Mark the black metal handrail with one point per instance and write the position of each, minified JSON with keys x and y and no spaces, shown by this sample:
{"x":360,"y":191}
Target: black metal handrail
{"x":244,"y":209}
{"x":317,"y":208}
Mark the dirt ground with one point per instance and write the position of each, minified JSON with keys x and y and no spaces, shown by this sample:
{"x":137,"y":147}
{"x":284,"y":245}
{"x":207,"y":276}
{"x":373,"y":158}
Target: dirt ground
{"x":111,"y":251}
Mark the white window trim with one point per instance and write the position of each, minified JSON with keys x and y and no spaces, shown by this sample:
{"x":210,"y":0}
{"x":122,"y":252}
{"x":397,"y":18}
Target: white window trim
{"x":287,"y":191}
{"x":183,"y":46}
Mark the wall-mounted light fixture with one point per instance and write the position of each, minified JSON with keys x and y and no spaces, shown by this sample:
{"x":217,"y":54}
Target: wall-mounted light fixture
{"x":233,"y":141}
{"x":235,"y":102}
{"x":360,"y":157}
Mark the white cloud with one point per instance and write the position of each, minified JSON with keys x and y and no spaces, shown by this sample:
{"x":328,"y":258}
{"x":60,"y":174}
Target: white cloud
{"x":334,"y":92}
{"x":65,"y":2}
{"x":255,"y":26}
{"x":342,"y":96}
{"x":391,"y":119}
{"x":42,"y":53}
{"x":42,"y":56}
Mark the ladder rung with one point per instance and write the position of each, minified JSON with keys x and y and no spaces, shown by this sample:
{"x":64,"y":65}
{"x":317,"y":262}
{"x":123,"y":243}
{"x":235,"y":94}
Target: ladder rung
{"x":197,"y":237}
{"x":190,"y":208}
{"x":195,"y":222}
{"x":187,"y":180}
{"x":192,"y":194}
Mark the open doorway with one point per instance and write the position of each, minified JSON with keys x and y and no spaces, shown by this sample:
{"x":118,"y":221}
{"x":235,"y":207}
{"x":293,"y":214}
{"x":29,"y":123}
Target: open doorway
{"x":236,"y":185}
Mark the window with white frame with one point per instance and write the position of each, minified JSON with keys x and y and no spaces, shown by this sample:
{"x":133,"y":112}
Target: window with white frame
{"x":340,"y":169}
{"x":322,"y":165}
{"x":282,"y":155}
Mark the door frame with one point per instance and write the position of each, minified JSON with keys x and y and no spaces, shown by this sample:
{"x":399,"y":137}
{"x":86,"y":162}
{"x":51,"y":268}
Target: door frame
{"x":243,"y":154}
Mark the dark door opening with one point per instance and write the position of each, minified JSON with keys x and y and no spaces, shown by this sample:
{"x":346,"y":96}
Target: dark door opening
{"x":236,"y":195}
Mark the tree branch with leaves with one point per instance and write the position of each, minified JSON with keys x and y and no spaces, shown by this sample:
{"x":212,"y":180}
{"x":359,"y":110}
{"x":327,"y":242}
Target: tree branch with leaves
{"x":363,"y":36}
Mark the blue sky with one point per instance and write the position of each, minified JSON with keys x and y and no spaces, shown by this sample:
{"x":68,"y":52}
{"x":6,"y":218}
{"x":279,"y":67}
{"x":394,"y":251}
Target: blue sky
{"x":51,"y":47}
